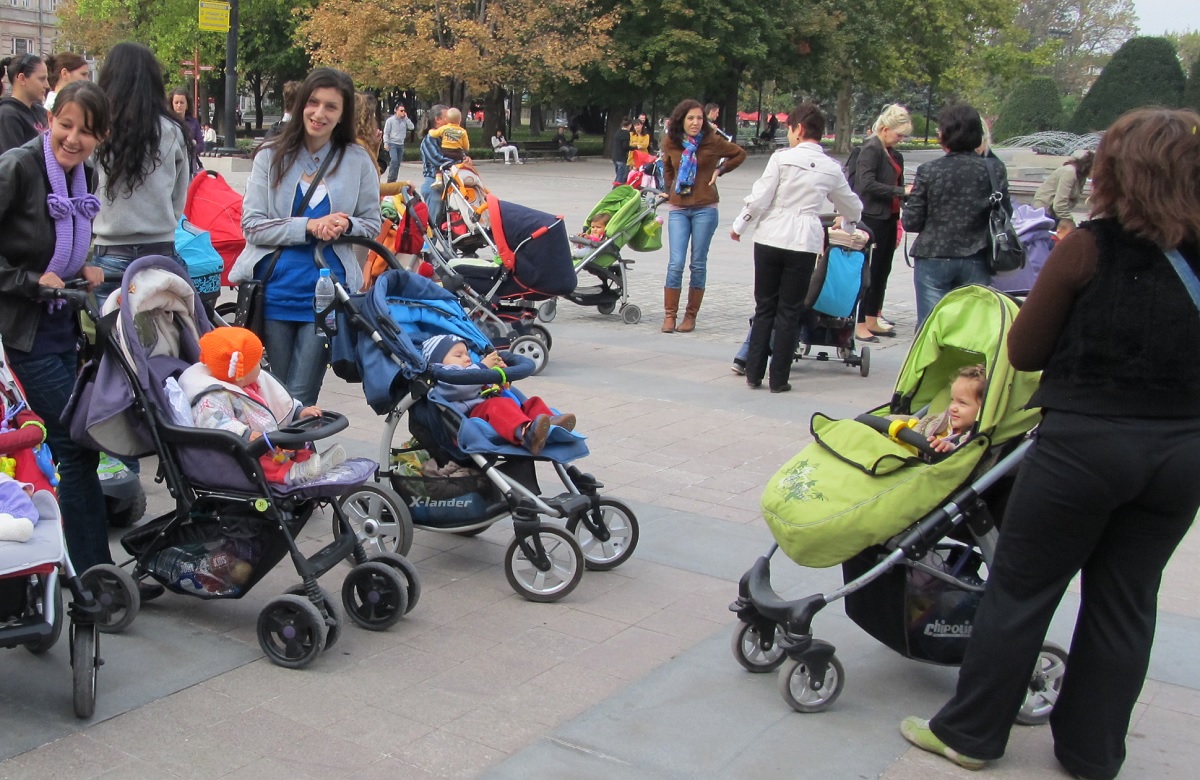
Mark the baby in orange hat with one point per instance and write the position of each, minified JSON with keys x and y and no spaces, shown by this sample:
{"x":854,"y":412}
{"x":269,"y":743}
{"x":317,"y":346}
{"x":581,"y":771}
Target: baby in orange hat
{"x":229,"y":390}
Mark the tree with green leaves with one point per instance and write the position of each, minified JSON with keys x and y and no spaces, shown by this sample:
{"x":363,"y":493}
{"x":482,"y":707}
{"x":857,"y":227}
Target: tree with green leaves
{"x":1191,"y":94}
{"x":1143,"y":72}
{"x":1078,"y":35}
{"x":1032,"y":107}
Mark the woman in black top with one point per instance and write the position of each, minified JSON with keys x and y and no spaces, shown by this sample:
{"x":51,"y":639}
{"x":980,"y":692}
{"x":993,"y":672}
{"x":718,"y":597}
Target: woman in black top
{"x":879,"y":181}
{"x":949,"y":206}
{"x":45,"y":227}
{"x":21,"y":114}
{"x":1109,"y":488}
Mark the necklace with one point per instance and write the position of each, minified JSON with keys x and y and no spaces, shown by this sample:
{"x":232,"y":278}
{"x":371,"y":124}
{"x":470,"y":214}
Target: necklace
{"x":310,"y":162}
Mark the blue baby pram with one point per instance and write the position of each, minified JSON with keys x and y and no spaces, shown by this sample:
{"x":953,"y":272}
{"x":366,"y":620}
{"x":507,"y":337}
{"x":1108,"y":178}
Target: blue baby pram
{"x":378,"y":343}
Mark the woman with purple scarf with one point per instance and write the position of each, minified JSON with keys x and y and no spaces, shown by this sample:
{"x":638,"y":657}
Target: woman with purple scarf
{"x":46,"y":212}
{"x":694,"y":155}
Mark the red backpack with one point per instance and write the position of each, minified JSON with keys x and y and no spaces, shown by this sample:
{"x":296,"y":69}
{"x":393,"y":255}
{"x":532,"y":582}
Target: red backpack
{"x":214,"y":206}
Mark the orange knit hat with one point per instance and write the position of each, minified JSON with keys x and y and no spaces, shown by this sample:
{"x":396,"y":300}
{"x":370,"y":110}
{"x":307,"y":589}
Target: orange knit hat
{"x":230,"y":353}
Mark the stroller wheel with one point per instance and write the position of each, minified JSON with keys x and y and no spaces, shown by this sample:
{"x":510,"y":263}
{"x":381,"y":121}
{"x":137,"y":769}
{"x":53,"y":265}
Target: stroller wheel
{"x":408,"y":571}
{"x":291,"y":631}
{"x":631,"y":314}
{"x":379,"y":517}
{"x":39,"y":593}
{"x":375,"y":595}
{"x":623,"y":533}
{"x":564,"y":560}
{"x":543,"y":333}
{"x":116,"y":593}
{"x":864,"y":361}
{"x":606,"y":308}
{"x":85,"y":661}
{"x":803,"y":692}
{"x":532,"y":348}
{"x":749,"y":652}
{"x":548,"y":310}
{"x":1043,"y":686}
{"x":333,"y":632}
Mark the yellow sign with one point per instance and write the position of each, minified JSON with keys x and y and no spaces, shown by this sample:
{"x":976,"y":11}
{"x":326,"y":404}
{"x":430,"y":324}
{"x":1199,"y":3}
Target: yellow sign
{"x":214,"y":16}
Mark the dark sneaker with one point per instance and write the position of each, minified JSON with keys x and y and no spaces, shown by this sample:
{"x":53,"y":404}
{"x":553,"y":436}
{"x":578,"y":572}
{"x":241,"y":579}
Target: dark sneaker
{"x":535,"y":434}
{"x":565,"y":421}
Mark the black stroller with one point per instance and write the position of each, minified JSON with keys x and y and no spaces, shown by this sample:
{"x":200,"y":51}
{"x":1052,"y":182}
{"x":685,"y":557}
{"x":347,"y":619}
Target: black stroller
{"x":229,"y":526}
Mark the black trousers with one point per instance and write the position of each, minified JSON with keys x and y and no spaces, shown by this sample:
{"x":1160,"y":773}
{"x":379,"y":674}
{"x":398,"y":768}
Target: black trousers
{"x":781,"y":279}
{"x":1111,"y":497}
{"x":884,"y":233}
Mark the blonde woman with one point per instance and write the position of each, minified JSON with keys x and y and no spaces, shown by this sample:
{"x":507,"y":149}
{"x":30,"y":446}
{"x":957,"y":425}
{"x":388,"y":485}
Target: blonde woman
{"x":879,"y":181}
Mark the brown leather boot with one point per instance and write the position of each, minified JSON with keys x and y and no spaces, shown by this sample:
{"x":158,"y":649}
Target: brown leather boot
{"x":695,"y":296}
{"x":670,"y":309}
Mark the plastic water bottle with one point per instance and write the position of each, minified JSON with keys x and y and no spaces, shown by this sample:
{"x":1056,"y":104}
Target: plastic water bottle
{"x":323,"y":299}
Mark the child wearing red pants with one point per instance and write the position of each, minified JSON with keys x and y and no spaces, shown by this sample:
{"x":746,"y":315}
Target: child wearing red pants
{"x":526,"y":425}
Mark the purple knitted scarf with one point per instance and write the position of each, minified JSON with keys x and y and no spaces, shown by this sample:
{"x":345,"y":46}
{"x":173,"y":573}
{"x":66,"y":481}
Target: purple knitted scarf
{"x":72,"y":215}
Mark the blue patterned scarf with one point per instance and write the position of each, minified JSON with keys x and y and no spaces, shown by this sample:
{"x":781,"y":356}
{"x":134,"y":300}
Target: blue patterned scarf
{"x":687,"y":165}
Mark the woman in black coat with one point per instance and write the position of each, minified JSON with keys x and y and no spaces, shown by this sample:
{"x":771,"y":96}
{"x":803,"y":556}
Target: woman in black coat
{"x":949,"y":206}
{"x":879,"y":182}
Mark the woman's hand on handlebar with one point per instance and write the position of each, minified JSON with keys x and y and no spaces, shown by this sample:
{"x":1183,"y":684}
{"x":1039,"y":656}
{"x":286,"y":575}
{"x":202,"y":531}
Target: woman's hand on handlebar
{"x":51,"y":280}
{"x":92,"y":275}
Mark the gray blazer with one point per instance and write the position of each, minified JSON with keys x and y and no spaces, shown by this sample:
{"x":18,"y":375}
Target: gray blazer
{"x":949,"y":205}
{"x":267,"y":221}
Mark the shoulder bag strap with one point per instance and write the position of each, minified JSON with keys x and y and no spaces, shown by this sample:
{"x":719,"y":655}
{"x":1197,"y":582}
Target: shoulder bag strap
{"x":1186,"y":275}
{"x":997,"y":195}
{"x":300,"y":209}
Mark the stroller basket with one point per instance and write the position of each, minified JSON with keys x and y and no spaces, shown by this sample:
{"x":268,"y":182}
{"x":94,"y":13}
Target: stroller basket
{"x":210,"y":557}
{"x":914,"y":613}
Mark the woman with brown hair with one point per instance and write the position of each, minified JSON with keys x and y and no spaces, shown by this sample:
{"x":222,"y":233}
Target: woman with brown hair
{"x":1109,"y":487}
{"x":22,"y":117}
{"x":61,"y":70}
{"x":1061,"y":190}
{"x":693,"y":157}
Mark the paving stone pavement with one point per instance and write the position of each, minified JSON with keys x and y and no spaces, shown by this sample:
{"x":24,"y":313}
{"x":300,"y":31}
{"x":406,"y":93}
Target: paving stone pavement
{"x":630,"y":676}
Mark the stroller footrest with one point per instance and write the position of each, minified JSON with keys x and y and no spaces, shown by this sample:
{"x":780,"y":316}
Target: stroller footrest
{"x":569,"y":504}
{"x":332,"y":554}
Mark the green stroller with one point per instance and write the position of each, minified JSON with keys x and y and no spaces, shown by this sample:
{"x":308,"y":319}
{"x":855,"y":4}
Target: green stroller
{"x":633,"y":223}
{"x":914,"y":530}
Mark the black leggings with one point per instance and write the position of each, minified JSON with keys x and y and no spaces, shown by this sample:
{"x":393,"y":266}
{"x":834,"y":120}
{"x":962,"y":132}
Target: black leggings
{"x":781,"y":280}
{"x":884,"y":233}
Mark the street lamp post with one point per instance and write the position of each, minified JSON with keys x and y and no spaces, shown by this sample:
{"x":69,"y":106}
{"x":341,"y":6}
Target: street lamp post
{"x":231,"y":79}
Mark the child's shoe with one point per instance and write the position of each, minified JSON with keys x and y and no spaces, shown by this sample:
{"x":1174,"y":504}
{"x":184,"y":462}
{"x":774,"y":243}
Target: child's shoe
{"x":333,"y":457}
{"x":305,"y":471}
{"x":564,"y":421}
{"x":916,"y":730}
{"x":535,"y":434}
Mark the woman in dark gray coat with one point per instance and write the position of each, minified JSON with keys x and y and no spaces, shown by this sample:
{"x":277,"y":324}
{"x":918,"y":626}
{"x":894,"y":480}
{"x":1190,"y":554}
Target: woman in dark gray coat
{"x":879,"y":181}
{"x":948,"y":206}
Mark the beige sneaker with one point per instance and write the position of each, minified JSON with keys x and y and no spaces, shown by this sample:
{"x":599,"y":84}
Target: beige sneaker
{"x":333,"y":457}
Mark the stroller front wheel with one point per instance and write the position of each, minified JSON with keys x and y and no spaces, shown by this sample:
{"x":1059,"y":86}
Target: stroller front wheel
{"x":85,"y":661}
{"x":291,"y":631}
{"x":564,"y":567}
{"x":548,"y":310}
{"x":804,"y":692}
{"x":750,"y":653}
{"x":116,"y":593}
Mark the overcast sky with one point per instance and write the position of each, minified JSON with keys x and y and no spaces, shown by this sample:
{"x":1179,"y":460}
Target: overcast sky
{"x":1156,"y":17}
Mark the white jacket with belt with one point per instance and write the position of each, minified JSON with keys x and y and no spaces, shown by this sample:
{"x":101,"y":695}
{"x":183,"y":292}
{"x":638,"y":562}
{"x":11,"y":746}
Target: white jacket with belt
{"x":784,"y":206}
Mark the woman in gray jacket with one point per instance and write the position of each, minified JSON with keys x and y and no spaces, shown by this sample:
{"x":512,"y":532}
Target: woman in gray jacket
{"x":949,"y":206}
{"x":346,"y":202}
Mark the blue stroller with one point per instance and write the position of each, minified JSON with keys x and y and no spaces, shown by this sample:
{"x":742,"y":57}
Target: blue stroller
{"x":378,"y":343}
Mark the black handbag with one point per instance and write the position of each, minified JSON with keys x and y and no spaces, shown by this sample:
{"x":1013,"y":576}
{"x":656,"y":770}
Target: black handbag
{"x":252,"y":295}
{"x":1007,"y":252}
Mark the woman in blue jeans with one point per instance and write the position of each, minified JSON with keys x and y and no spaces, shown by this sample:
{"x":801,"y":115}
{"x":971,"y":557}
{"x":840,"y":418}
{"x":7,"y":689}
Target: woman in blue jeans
{"x":949,"y":206}
{"x":46,"y":213}
{"x":694,"y":155}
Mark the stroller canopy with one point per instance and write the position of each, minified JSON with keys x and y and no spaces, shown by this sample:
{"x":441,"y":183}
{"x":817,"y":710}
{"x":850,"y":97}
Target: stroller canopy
{"x":533,"y":246}
{"x":969,"y":326}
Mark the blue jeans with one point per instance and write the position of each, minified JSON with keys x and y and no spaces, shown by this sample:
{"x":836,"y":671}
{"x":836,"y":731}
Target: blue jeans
{"x":622,"y":172}
{"x":299,"y":355}
{"x":48,"y":381}
{"x":113,"y":260}
{"x":697,"y":225}
{"x":396,"y":151}
{"x":433,"y":200}
{"x":936,"y":276}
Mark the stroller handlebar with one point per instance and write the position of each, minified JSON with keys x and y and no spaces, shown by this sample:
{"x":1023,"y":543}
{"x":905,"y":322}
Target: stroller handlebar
{"x":899,"y":431}
{"x":75,"y":293}
{"x":296,"y":434}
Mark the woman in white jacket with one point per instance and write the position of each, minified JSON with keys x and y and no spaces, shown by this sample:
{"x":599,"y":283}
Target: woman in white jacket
{"x":783,"y":209}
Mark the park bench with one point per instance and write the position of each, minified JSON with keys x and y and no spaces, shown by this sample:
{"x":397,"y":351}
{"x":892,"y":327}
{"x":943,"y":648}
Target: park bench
{"x":537,"y":149}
